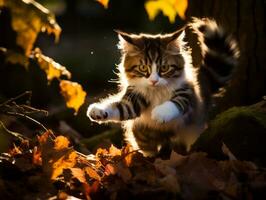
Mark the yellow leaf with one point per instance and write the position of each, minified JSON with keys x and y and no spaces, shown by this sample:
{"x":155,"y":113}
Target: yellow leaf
{"x":51,"y":68}
{"x":104,"y":3}
{"x":169,"y":8}
{"x":73,"y":93}
{"x":61,"y":142}
{"x":181,"y":7}
{"x":66,"y":161}
{"x":28,"y":18}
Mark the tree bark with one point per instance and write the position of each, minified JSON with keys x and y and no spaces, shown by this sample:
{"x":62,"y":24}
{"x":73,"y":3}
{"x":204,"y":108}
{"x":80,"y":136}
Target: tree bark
{"x":246,"y":21}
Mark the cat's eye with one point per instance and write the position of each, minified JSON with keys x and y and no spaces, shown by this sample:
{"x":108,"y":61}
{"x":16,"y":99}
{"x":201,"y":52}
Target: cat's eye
{"x":164,"y":68}
{"x":143,"y":68}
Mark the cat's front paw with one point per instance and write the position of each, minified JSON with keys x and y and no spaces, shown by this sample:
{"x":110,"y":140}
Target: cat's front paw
{"x":95,"y":113}
{"x":165,"y":112}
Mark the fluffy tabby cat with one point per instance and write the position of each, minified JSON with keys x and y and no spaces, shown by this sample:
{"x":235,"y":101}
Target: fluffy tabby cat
{"x":163,"y":98}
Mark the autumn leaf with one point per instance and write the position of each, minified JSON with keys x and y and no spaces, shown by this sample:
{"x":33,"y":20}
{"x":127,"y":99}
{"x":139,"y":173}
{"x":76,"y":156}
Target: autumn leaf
{"x":104,"y":3}
{"x":28,"y":18}
{"x":78,"y":174}
{"x":92,"y":173}
{"x":169,"y":8}
{"x":44,"y":137}
{"x":36,"y":156}
{"x":61,"y":142}
{"x":73,"y":93}
{"x":51,"y":68}
{"x":65,"y":162}
{"x":113,"y":151}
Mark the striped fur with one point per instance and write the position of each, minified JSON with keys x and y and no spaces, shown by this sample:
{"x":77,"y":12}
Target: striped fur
{"x":220,"y":52}
{"x":161,"y":98}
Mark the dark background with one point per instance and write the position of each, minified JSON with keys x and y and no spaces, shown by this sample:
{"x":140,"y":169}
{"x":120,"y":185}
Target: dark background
{"x":87,"y":48}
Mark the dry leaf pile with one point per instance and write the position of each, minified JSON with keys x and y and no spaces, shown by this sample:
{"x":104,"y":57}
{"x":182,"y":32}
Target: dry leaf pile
{"x":48,"y":167}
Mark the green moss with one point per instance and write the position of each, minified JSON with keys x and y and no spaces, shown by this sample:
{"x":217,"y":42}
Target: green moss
{"x":242,"y":129}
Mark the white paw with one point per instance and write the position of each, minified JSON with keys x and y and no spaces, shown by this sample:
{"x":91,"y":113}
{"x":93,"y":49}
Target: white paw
{"x":95,"y":113}
{"x":165,"y":112}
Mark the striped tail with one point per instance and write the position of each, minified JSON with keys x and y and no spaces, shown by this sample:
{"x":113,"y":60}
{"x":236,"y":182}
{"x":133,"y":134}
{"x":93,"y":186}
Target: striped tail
{"x":219,"y":50}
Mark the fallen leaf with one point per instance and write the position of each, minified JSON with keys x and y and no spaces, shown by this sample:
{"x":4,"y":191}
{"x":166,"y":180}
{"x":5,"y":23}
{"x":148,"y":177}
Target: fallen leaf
{"x":44,"y":137}
{"x":61,"y":142}
{"x":49,"y":66}
{"x":110,"y":170}
{"x":92,"y":173}
{"x":37,"y":156}
{"x":65,"y":162}
{"x":169,"y":8}
{"x":78,"y":174}
{"x":15,"y":151}
{"x":104,"y":3}
{"x":113,"y":151}
{"x":73,"y":93}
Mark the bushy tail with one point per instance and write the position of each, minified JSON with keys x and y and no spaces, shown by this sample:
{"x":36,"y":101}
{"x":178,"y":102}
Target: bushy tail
{"x":219,"y":50}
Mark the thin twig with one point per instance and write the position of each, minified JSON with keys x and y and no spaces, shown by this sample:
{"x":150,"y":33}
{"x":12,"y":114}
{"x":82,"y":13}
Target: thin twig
{"x":27,"y":117}
{"x":15,"y":134}
{"x":16,"y":98}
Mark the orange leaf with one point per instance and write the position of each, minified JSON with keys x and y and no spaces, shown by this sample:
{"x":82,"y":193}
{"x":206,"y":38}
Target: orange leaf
{"x":109,"y":170}
{"x":92,"y":173}
{"x":37,"y":156}
{"x":78,"y":174}
{"x":61,"y":142}
{"x":66,"y":161}
{"x":15,"y":151}
{"x":104,"y":3}
{"x":43,"y":138}
{"x":73,"y":94}
{"x":113,"y":151}
{"x":100,"y":152}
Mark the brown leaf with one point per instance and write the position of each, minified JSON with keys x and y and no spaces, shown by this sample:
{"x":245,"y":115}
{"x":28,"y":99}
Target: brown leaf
{"x":92,"y":173}
{"x":73,"y":93}
{"x":88,"y":189}
{"x":78,"y":174}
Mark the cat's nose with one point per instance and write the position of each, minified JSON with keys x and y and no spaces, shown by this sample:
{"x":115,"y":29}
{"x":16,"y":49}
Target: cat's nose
{"x":153,"y":82}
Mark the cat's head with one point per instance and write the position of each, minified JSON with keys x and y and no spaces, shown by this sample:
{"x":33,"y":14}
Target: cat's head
{"x":152,"y":60}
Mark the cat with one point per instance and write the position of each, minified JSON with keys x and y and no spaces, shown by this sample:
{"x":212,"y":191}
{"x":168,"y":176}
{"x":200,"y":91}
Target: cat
{"x":163,"y":98}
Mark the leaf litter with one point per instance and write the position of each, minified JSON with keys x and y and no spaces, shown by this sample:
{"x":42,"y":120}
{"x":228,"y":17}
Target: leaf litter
{"x":121,"y":173}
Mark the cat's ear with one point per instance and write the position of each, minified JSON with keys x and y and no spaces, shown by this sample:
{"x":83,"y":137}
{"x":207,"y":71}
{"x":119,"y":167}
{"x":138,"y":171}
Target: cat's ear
{"x":172,"y":37}
{"x":129,"y":43}
{"x":174,"y":41}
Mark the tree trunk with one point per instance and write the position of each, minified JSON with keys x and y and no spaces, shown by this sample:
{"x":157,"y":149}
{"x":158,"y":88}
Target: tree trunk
{"x":246,"y":21}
